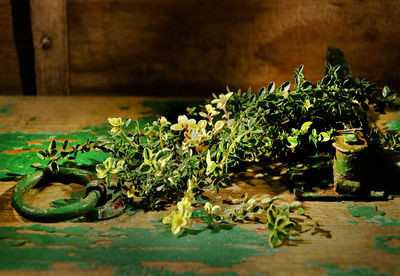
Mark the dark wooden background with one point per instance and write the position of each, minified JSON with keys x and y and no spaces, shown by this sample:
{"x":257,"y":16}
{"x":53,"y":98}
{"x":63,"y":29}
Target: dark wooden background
{"x":188,"y":48}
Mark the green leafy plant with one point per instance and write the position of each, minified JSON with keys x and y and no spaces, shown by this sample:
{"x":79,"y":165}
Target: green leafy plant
{"x":155,"y":163}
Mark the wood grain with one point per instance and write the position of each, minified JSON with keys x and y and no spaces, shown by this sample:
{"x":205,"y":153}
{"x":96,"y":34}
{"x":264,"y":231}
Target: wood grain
{"x":10,"y":83}
{"x":170,"y":47}
{"x":49,"y":28}
{"x":341,"y":244}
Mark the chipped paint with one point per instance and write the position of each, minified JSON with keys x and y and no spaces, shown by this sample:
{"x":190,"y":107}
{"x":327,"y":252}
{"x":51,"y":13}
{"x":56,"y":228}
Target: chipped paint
{"x":371,"y":215}
{"x":393,"y":125}
{"x":363,"y":211}
{"x":334,"y":269}
{"x":134,"y":269}
{"x":5,"y":109}
{"x":38,"y":247}
{"x":381,"y":243}
{"x":23,"y":147}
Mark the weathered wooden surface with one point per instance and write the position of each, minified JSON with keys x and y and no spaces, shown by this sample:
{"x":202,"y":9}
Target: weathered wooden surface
{"x":170,"y":47}
{"x":344,"y":244}
{"x":197,"y":47}
{"x":10,"y":82}
{"x":50,"y":41}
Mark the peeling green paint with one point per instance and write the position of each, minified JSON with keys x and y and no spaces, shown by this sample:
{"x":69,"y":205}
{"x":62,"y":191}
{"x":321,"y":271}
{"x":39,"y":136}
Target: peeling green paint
{"x":384,"y":221}
{"x":371,"y":215}
{"x":133,"y":270}
{"x":5,"y":109}
{"x":381,"y":243}
{"x":27,"y":247}
{"x":334,"y":269}
{"x":352,"y":222}
{"x":363,"y":211}
{"x":23,"y":152}
{"x":394,"y":125}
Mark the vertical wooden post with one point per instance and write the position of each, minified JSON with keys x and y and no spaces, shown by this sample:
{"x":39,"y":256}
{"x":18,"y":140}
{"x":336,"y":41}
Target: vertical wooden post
{"x":50,"y":42}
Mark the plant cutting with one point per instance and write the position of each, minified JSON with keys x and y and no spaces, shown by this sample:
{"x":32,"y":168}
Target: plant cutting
{"x":168,"y":163}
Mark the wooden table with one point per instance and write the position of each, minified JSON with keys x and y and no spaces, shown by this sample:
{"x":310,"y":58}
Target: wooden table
{"x":139,"y":244}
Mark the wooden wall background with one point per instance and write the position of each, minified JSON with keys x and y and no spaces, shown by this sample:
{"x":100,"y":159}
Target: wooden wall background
{"x":10,"y":82}
{"x":171,"y":47}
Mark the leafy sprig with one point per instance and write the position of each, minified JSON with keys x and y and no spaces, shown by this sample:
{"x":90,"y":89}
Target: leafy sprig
{"x":156,"y":162}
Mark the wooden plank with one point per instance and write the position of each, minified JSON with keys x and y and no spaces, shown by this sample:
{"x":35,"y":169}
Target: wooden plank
{"x":197,"y":47}
{"x":348,"y":245}
{"x":49,"y":27}
{"x":10,"y":83}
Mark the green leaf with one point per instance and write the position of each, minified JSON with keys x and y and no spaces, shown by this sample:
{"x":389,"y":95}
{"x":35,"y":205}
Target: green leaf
{"x":300,"y":211}
{"x":271,"y":87}
{"x":286,"y":227}
{"x":147,"y":130}
{"x":53,"y":152}
{"x":324,"y":137}
{"x":52,"y":145}
{"x":305,"y":126}
{"x":53,"y":166}
{"x":63,"y":154}
{"x":216,"y":188}
{"x":208,"y":159}
{"x":270,"y":226}
{"x":271,"y":215}
{"x":201,"y":213}
{"x":385,"y":91}
{"x":126,"y":122}
{"x":293,"y":142}
{"x":65,"y":145}
{"x":249,"y":92}
{"x":198,"y":213}
{"x":306,"y":86}
{"x":163,"y":155}
{"x":261,"y":91}
{"x":212,"y":167}
{"x":314,"y":132}
{"x":281,"y":221}
{"x":273,"y":240}
{"x":285,"y":86}
{"x":147,"y":155}
{"x":43,"y":154}
{"x":145,"y":168}
{"x":223,"y":145}
{"x":391,"y":95}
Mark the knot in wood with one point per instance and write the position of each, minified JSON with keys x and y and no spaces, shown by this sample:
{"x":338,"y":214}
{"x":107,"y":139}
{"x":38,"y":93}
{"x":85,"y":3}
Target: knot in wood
{"x":45,"y":42}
